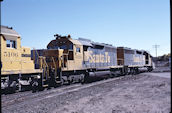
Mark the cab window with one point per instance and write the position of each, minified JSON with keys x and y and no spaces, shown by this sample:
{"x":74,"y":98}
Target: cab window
{"x":8,"y":43}
{"x":63,"y":47}
{"x":78,"y":49}
{"x":11,"y":43}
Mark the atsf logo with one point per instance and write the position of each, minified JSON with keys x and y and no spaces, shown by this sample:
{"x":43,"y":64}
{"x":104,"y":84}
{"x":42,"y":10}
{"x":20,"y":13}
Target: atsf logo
{"x":98,"y":58}
{"x":138,"y":58}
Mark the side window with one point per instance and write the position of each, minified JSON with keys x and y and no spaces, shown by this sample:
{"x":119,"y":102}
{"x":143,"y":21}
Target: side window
{"x":11,"y":43}
{"x":8,"y":43}
{"x":70,"y":47}
{"x":78,"y":49}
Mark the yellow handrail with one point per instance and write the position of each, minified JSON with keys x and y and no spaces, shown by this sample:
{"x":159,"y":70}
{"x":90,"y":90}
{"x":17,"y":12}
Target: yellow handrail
{"x":42,"y":63}
{"x":46,"y":66}
{"x":54,"y":67}
{"x":34,"y":55}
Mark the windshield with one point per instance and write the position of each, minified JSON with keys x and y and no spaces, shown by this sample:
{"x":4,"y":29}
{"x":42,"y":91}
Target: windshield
{"x":62,"y":46}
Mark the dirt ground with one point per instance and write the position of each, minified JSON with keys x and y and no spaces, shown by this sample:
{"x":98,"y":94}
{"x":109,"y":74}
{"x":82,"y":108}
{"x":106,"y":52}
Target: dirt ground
{"x":148,"y":94}
{"x":142,"y":93}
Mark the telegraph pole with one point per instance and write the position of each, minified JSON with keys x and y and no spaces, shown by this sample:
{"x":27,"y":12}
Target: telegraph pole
{"x":156,"y":46}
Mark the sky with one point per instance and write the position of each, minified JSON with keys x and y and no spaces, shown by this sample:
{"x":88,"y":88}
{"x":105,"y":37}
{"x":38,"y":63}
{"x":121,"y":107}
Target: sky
{"x":137,"y":24}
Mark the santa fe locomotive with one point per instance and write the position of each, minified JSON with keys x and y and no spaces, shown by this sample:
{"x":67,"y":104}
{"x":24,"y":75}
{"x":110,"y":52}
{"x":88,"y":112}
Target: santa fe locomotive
{"x":65,"y":60}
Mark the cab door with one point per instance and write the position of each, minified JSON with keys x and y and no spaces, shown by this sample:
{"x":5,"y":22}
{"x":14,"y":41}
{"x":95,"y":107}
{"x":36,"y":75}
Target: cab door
{"x":78,"y":56}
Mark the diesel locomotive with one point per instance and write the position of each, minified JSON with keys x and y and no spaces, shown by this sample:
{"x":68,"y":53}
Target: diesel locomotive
{"x":66,"y":60}
{"x":17,"y":68}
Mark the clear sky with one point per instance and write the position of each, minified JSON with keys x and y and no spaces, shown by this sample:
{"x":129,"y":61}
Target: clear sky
{"x":131,"y":23}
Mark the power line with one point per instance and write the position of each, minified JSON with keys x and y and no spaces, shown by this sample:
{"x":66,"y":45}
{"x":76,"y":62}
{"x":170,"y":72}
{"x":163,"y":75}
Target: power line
{"x":156,"y":46}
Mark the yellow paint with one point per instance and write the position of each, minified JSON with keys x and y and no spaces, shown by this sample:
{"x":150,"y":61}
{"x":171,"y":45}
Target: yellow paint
{"x":75,"y":64}
{"x":12,"y":59}
{"x":60,"y":56}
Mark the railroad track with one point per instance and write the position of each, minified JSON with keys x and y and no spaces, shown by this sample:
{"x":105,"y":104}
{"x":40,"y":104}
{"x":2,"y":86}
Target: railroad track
{"x":20,"y":97}
{"x":24,"y":96}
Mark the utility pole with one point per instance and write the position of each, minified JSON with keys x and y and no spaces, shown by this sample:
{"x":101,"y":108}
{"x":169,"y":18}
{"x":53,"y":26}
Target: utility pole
{"x":156,"y":46}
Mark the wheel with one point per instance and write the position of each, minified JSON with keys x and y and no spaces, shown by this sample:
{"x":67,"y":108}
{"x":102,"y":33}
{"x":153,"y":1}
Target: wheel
{"x":34,"y":86}
{"x":69,"y":82}
{"x":62,"y":82}
{"x":111,"y":75}
{"x":86,"y":78}
{"x":21,"y":88}
{"x":82,"y":80}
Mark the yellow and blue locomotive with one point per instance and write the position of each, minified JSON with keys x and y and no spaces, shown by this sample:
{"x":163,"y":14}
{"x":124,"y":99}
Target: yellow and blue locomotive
{"x":65,"y":60}
{"x":79,"y":59}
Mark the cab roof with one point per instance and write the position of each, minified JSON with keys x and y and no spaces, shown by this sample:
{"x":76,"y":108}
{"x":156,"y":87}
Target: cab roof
{"x":9,"y":33}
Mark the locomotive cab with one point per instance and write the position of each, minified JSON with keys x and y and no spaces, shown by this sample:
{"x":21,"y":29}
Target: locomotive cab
{"x":14,"y":58}
{"x":148,"y":61}
{"x":72,"y":51}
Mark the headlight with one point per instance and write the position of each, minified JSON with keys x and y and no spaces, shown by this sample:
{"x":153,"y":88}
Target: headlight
{"x":38,"y":76}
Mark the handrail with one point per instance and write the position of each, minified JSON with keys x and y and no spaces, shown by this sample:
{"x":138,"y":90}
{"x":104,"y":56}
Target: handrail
{"x":55,"y":68}
{"x":35,"y":51}
{"x":43,"y":65}
{"x":46,"y":66}
{"x":54,"y":62}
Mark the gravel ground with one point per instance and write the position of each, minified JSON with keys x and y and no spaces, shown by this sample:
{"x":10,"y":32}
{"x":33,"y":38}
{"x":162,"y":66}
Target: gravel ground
{"x":27,"y":95}
{"x":141,"y":93}
{"x":162,"y":69}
